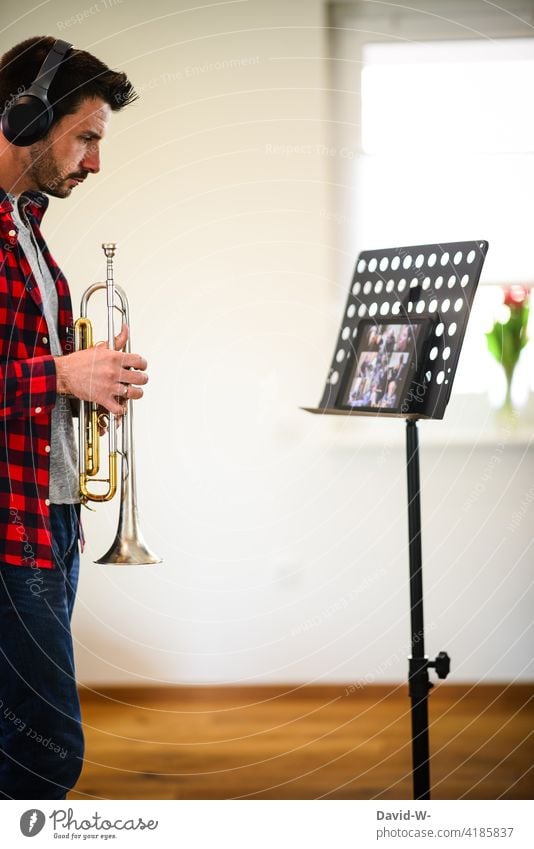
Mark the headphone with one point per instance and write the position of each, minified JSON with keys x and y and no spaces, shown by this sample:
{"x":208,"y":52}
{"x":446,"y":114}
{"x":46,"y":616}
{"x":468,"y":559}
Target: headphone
{"x":29,"y":117}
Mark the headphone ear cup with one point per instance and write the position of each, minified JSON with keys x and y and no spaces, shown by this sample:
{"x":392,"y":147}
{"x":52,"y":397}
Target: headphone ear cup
{"x":27,"y":121}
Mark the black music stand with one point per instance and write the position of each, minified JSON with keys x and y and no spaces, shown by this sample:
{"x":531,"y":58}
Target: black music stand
{"x":396,"y":356}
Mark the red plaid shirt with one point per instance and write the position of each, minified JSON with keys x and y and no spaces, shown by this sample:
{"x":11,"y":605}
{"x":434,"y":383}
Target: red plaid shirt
{"x":28,"y":383}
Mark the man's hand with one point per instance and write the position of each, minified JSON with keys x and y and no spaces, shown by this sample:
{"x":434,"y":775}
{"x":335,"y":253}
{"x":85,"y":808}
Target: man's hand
{"x":103,"y":420}
{"x":108,"y":377}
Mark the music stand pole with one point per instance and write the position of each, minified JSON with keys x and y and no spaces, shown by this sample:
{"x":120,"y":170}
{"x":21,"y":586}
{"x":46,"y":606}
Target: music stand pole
{"x":418,"y":680}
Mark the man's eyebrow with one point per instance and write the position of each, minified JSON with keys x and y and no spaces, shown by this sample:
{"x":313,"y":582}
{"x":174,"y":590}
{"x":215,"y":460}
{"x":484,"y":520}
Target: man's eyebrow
{"x":91,"y":133}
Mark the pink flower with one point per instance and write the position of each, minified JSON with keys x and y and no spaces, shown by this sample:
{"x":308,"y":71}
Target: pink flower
{"x":516,"y":296}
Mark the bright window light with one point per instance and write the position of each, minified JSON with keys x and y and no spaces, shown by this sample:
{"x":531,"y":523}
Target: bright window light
{"x":456,"y":97}
{"x":448,"y":154}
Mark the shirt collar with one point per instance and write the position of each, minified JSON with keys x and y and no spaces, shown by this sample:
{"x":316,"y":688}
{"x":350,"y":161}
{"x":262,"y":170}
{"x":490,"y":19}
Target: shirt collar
{"x":33,"y":203}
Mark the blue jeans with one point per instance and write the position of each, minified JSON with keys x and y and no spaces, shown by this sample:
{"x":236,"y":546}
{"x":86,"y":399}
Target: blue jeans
{"x":41,"y":737}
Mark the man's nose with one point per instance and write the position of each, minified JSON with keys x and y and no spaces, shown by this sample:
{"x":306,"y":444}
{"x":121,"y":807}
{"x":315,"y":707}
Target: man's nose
{"x":91,"y":160}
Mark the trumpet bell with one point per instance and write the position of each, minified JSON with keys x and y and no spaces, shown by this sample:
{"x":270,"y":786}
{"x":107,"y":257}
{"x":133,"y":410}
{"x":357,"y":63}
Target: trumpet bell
{"x":127,"y":551}
{"x":129,"y":547}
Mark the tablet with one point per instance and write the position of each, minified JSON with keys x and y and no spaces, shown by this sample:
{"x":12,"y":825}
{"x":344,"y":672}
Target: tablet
{"x":387,"y":357}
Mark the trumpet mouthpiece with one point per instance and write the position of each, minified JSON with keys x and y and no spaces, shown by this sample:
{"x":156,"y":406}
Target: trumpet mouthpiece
{"x":109,"y":248}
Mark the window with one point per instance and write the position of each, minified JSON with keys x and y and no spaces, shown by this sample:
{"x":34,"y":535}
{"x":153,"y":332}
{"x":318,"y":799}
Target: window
{"x":447,"y":152}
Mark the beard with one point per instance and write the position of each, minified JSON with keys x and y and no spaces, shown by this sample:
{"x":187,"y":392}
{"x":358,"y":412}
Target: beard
{"x":48,"y":176}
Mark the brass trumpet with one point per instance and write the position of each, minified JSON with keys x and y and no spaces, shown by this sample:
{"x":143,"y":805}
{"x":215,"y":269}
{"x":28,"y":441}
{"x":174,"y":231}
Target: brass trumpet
{"x":128,"y":547}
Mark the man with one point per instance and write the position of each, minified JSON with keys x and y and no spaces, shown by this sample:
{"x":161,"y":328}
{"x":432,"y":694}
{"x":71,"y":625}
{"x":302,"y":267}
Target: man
{"x":390,"y":398}
{"x":41,"y":739}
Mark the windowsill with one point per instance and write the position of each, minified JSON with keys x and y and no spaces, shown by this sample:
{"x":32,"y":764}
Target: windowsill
{"x":469,"y":421}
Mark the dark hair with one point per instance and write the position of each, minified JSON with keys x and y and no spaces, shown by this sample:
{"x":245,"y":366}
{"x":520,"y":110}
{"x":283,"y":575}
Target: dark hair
{"x":80,"y":76}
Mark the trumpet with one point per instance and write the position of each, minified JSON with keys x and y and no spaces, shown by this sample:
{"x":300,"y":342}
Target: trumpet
{"x":128,"y":547}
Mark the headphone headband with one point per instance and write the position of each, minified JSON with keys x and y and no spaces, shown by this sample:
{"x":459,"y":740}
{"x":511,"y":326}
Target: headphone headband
{"x":51,"y":63}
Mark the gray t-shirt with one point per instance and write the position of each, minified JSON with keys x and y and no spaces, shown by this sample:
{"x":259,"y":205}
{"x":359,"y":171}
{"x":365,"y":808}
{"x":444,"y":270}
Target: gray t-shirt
{"x":64,"y":481}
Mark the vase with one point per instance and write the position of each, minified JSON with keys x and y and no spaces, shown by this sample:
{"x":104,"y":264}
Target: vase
{"x":507,"y":415}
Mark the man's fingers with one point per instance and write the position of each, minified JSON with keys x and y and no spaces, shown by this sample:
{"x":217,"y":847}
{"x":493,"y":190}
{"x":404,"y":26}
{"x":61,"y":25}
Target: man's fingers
{"x":133,"y":376}
{"x":121,"y":339}
{"x":133,"y":361}
{"x":134,"y":392}
{"x":115,"y":406}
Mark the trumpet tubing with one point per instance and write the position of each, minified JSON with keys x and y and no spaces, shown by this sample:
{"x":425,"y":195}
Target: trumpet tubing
{"x":128,"y":547}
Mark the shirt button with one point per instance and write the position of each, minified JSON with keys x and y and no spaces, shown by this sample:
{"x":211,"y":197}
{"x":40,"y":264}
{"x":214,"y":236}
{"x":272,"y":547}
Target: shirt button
{"x":38,"y":409}
{"x":47,"y":502}
{"x":45,"y":340}
{"x":47,"y":449}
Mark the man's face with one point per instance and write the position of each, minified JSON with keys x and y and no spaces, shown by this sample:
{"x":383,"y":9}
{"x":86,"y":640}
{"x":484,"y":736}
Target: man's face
{"x":70,"y":151}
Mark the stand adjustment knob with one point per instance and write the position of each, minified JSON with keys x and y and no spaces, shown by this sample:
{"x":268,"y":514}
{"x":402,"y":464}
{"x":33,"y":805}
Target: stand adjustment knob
{"x":442,"y":664}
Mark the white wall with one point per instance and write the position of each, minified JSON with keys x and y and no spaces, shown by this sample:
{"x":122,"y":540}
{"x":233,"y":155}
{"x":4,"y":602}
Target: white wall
{"x":283,"y":535}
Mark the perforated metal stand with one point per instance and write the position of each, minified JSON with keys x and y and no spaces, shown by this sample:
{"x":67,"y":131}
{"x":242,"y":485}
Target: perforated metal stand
{"x":418,"y":680}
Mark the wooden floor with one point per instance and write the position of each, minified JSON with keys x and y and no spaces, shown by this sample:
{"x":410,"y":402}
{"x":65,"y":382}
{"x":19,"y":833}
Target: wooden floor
{"x":303,"y":743}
